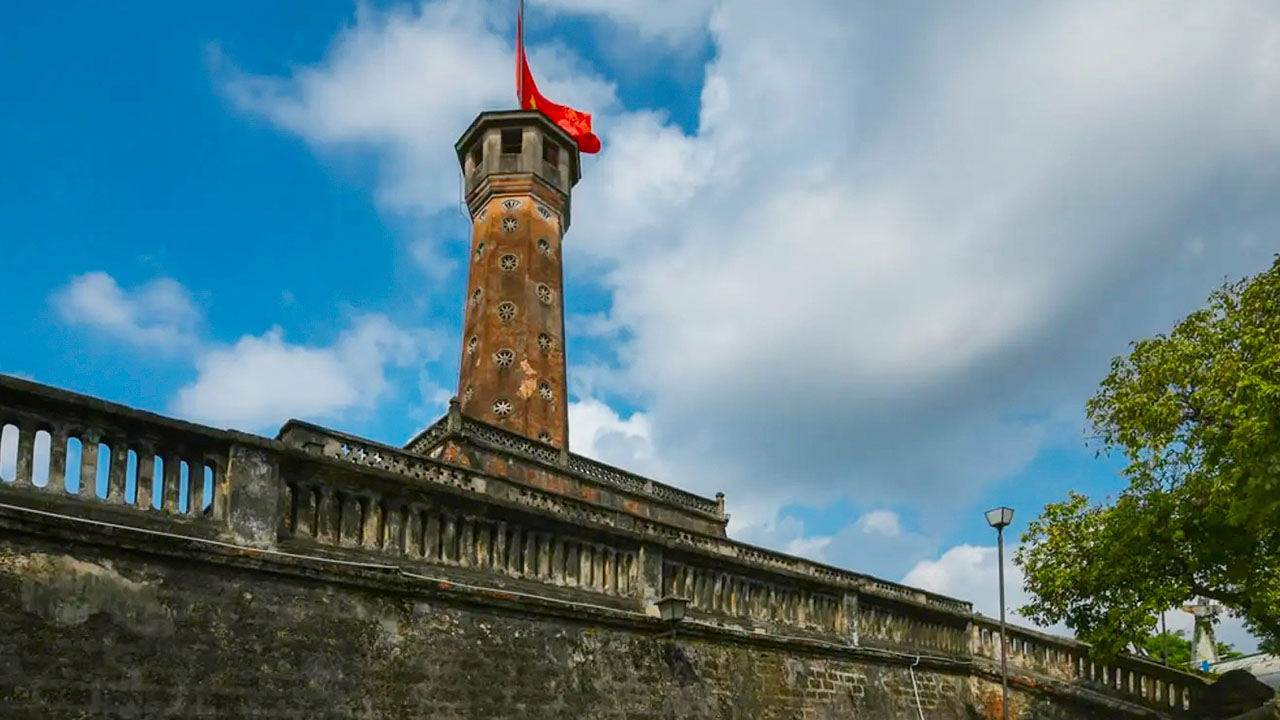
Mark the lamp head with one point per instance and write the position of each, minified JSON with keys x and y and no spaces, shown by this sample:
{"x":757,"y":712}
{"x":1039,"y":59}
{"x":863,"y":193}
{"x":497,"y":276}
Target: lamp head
{"x":671,"y":608}
{"x":999,"y":518}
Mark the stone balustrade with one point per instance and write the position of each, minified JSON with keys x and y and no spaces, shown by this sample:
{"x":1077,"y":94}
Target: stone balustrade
{"x":326,"y":494}
{"x":1039,"y":655}
{"x":106,"y":454}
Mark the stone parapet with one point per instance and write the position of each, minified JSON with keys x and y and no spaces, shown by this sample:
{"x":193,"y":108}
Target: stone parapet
{"x":324,"y":500}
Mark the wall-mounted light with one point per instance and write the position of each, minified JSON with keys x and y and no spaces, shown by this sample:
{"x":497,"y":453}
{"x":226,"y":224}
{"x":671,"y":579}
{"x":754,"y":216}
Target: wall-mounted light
{"x":671,"y":609}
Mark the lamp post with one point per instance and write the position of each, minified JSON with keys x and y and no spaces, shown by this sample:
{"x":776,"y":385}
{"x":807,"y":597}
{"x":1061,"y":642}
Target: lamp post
{"x":999,"y":518}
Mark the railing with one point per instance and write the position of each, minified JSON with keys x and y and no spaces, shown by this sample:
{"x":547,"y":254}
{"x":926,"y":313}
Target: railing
{"x":738,"y":596}
{"x":1130,"y":677}
{"x":403,"y":522}
{"x":585,"y":467}
{"x":54,"y":446}
{"x":884,"y":625}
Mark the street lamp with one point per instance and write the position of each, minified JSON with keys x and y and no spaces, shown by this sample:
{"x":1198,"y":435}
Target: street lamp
{"x":999,"y":518}
{"x":671,"y":610}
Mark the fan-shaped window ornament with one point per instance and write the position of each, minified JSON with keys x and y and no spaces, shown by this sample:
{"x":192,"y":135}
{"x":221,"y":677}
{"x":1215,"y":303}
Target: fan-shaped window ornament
{"x":506,"y":311}
{"x":544,"y":247}
{"x":545,"y":213}
{"x":545,"y":294}
{"x":508,"y":262}
{"x":504,"y":357}
{"x":544,"y":392}
{"x":475,"y":297}
{"x":471,"y":345}
{"x":545,"y":343}
{"x":502,"y":407}
{"x":484,"y":212}
{"x":510,"y":224}
{"x":510,"y":204}
{"x":544,"y":436}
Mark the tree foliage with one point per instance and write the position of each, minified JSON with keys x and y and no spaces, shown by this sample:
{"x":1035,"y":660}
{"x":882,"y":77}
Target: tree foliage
{"x":1178,"y":648}
{"x":1196,"y":414}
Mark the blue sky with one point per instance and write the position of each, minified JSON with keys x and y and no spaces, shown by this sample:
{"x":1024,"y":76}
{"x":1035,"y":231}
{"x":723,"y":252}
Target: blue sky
{"x":858,"y":267}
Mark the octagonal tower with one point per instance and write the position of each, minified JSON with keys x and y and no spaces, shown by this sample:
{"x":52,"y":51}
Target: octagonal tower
{"x":519,"y":169}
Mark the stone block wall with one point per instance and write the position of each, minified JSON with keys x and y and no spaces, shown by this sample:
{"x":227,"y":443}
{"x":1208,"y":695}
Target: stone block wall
{"x":345,"y":579}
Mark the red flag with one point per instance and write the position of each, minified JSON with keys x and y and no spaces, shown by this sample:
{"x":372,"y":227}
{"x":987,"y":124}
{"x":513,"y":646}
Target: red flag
{"x":574,"y":122}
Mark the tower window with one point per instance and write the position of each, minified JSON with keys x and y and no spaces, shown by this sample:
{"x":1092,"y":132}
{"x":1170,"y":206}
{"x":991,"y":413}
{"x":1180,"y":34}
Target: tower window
{"x":544,"y":342}
{"x":471,"y":345}
{"x":506,"y":311}
{"x":544,"y":391}
{"x":502,"y":407}
{"x":479,"y":250}
{"x":550,"y":152}
{"x":504,"y":357}
{"x":508,"y":262}
{"x":545,"y":437}
{"x":475,"y":297}
{"x":477,"y":154}
{"x":545,"y":294}
{"x":510,"y":224}
{"x":544,"y":247}
{"x":468,"y":394}
{"x":545,"y":213}
{"x":512,"y":141}
{"x":510,"y":204}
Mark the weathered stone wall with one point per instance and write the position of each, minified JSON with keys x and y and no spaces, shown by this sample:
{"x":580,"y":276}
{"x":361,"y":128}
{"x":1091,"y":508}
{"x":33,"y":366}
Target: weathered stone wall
{"x":92,"y":632}
{"x":333,"y":577}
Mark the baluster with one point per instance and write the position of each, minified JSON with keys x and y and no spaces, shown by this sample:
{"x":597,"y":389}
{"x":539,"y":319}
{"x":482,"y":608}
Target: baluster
{"x":572,"y":564}
{"x":118,"y":472}
{"x":89,"y":463}
{"x":544,"y":555}
{"x":466,"y":542}
{"x":302,"y":510}
{"x":393,"y":520}
{"x":557,"y":560}
{"x":431,"y":536}
{"x":170,"y":481}
{"x":350,"y":521}
{"x":413,"y":541}
{"x":195,"y":484}
{"x":25,"y":464}
{"x":145,"y":499}
{"x":586,"y":564}
{"x":328,"y":515}
{"x":57,"y":461}
{"x":449,"y":539}
{"x":371,"y":530}
{"x":515,"y":552}
{"x":500,"y":547}
{"x":611,"y":582}
{"x":530,"y":560}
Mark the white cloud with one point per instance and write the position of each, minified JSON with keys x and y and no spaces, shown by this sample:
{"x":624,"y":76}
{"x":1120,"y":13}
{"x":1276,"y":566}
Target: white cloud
{"x":261,"y":381}
{"x":157,"y":315}
{"x":970,"y":572}
{"x":880,"y":522}
{"x":668,"y":19}
{"x":900,"y":246}
{"x":598,"y":432}
{"x":409,"y":81}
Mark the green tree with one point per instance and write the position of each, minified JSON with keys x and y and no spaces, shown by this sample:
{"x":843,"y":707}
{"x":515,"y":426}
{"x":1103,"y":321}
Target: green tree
{"x":1178,"y":646}
{"x":1196,"y":414}
{"x":1174,"y":642}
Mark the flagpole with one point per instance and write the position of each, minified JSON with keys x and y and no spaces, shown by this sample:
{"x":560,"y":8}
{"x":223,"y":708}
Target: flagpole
{"x":520,"y":56}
